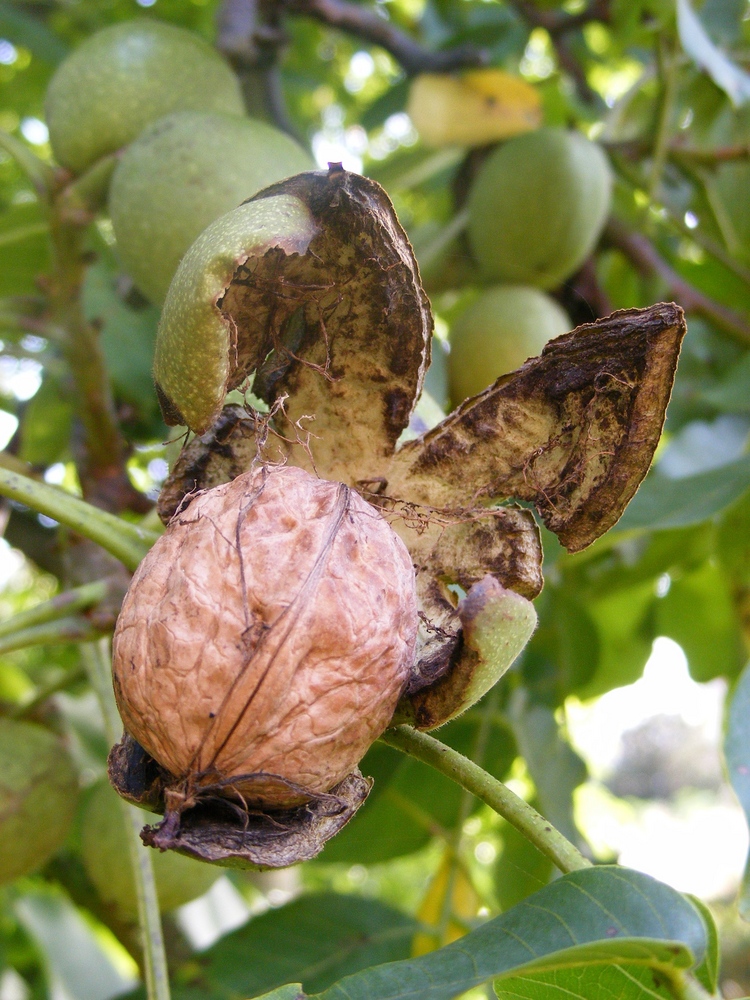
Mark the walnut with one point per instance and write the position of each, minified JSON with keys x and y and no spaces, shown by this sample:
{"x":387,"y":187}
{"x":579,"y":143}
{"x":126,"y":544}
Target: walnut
{"x":266,"y":639}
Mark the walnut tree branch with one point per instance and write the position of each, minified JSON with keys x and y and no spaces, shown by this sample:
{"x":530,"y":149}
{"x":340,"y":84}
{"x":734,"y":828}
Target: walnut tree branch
{"x":648,"y":261}
{"x":366,"y":24}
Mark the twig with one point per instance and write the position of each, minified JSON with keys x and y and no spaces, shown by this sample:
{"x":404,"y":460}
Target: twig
{"x":97,"y":660}
{"x":366,"y":24}
{"x":74,"y":628}
{"x":250,"y":35}
{"x":127,"y":542}
{"x":647,"y":260}
{"x":709,"y":157}
{"x":491,"y":791}
{"x":556,"y":22}
{"x":558,"y":25}
{"x":59,"y":606}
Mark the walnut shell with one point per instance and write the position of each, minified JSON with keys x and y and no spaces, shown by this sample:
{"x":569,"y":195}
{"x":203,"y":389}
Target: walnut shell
{"x":266,"y":638}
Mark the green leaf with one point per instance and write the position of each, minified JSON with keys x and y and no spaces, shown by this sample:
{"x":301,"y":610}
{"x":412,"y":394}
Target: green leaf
{"x":416,"y":801}
{"x":737,"y":753}
{"x":554,"y":766}
{"x":24,"y":248}
{"x":520,"y":869}
{"x":47,"y":423}
{"x":732,"y":395}
{"x":677,"y":503}
{"x":626,"y":636}
{"x":707,"y":973}
{"x":315,"y":940}
{"x":733,"y":541}
{"x":564,"y":652}
{"x":699,"y":613}
{"x":32,"y":33}
{"x":735,"y":82}
{"x":128,"y":335}
{"x":578,"y":928}
{"x":77,"y":965}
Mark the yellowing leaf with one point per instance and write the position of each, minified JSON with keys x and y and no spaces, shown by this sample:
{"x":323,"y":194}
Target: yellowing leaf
{"x":450,"y":901}
{"x":480,"y":107}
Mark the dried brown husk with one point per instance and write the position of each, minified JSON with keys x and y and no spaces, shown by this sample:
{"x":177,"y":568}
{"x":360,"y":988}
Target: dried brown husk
{"x":220,"y":831}
{"x":265,"y":640}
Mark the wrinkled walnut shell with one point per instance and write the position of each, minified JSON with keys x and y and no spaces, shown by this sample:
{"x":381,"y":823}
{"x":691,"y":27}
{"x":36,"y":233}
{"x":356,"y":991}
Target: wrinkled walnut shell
{"x":265,"y":640}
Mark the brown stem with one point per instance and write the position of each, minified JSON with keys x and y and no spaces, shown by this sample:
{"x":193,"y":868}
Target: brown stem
{"x":366,"y":24}
{"x":643,"y":255}
{"x":558,"y":25}
{"x":103,"y":476}
{"x":557,"y":22}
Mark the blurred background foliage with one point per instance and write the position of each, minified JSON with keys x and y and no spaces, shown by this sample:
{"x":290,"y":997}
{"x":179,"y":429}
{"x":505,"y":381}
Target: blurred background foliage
{"x":665,"y":90}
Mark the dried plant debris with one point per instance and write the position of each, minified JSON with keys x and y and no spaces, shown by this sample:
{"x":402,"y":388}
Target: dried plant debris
{"x":337,"y":323}
{"x":264,"y":644}
{"x":221,"y":831}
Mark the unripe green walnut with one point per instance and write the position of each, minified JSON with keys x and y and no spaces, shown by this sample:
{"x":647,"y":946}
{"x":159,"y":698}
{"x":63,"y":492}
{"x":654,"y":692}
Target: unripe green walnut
{"x":104,"y":847}
{"x":185,"y":171}
{"x":125,"y":77}
{"x":38,"y":793}
{"x":193,"y":358}
{"x":503,"y":327}
{"x":538,"y":206}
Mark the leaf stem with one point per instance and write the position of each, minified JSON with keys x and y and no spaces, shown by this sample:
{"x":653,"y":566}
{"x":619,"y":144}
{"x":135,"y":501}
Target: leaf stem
{"x":97,"y":659}
{"x":127,"y":542}
{"x":491,"y":791}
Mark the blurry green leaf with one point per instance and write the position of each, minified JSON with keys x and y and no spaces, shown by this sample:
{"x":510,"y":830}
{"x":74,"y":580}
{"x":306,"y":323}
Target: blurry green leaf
{"x":699,"y":613}
{"x":564,"y":652}
{"x":46,"y":424}
{"x":554,"y":766}
{"x":735,"y":82}
{"x":416,"y":802}
{"x":677,"y":503}
{"x":77,"y":966}
{"x":732,"y":395}
{"x":737,"y":753}
{"x":723,"y":19}
{"x":389,"y":103}
{"x":598,"y":933}
{"x":24,"y":248}
{"x":733,"y":540}
{"x":520,"y":869}
{"x":128,"y":335}
{"x":727,"y":190}
{"x":25,"y":29}
{"x":626,"y":636}
{"x":315,"y":940}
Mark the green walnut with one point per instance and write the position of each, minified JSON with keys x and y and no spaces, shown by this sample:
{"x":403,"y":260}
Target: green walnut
{"x":538,"y":206}
{"x":503,"y":327}
{"x":125,"y":77}
{"x":182,"y":173}
{"x":104,"y":847}
{"x":38,"y":794}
